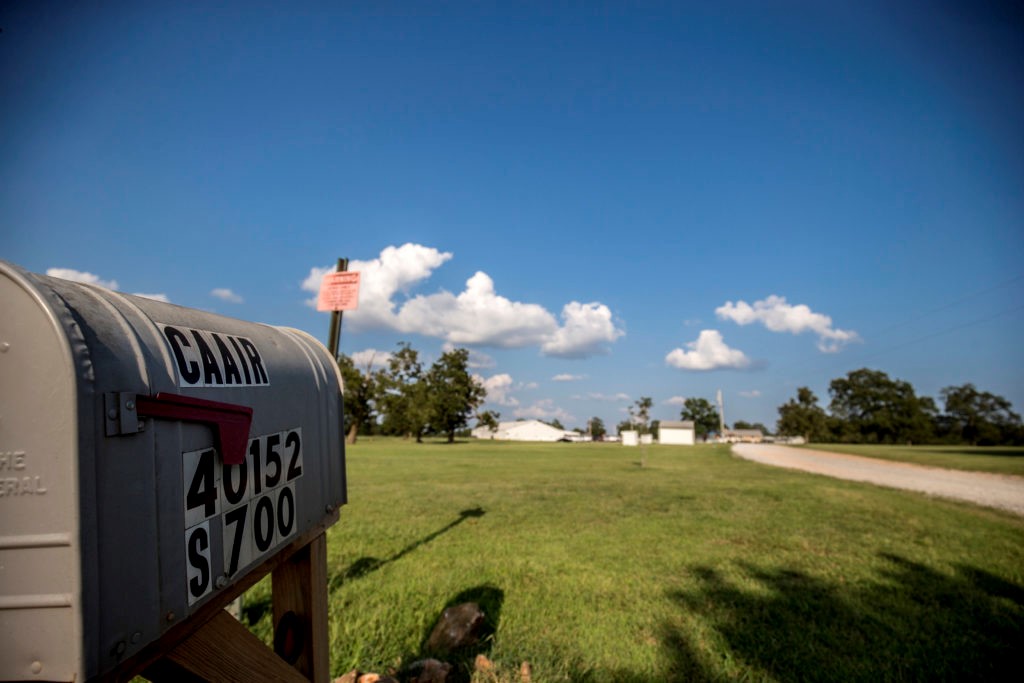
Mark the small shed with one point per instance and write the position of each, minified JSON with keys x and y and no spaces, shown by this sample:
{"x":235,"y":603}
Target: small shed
{"x":675,"y":432}
{"x":630,"y":437}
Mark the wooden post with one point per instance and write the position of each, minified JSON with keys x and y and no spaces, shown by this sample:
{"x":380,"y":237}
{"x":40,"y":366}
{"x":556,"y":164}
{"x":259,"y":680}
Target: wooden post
{"x":300,"y":610}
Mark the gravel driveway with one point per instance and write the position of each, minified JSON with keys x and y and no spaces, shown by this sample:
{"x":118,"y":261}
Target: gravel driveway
{"x":991,"y":490}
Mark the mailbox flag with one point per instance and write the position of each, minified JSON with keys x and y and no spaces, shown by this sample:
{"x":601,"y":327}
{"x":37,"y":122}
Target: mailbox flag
{"x":339,"y":292}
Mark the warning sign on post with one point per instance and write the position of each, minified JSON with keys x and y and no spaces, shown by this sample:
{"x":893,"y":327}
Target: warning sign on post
{"x":339,"y":292}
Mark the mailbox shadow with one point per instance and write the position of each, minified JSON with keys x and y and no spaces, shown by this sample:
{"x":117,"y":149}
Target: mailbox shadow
{"x":368,"y":565}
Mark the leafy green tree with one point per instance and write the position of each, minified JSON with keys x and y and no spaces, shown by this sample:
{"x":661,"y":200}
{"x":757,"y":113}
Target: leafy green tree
{"x":597,"y":428}
{"x":979,"y":417}
{"x":453,"y":392}
{"x":703,"y":415}
{"x":488,"y":419}
{"x":625,"y":426}
{"x":556,"y":424}
{"x":877,"y":409}
{"x":358,"y":394}
{"x":803,"y":417}
{"x":402,"y":396}
{"x":639,"y":414}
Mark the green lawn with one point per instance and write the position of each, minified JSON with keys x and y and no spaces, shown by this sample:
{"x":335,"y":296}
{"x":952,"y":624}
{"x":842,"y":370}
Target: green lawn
{"x":701,"y":566}
{"x":995,"y":459}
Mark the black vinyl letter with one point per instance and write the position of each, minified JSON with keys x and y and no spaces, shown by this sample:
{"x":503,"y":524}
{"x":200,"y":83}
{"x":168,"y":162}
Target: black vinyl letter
{"x":197,"y":543}
{"x":259,"y":374}
{"x":230,"y":367}
{"x":210,"y":367}
{"x":241,"y":360}
{"x":189,"y":369}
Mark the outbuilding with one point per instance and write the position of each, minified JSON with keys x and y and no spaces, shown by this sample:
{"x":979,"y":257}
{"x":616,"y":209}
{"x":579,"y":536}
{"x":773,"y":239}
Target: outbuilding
{"x":676,"y":432}
{"x":525,"y":430}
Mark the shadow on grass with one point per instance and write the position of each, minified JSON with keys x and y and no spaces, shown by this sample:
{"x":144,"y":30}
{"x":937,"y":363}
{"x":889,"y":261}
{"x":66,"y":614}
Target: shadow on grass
{"x":490,"y":600}
{"x":367,"y":565}
{"x":914,"y":623}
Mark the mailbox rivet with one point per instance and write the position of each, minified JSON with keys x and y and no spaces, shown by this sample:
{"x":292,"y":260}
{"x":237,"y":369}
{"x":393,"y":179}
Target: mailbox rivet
{"x":130,"y":405}
{"x":221,"y":582}
{"x":136,"y":637}
{"x":170,"y":616}
{"x":120,"y":648}
{"x":37,"y":666}
{"x":4,"y":346}
{"x":329,"y":509}
{"x":112,"y":413}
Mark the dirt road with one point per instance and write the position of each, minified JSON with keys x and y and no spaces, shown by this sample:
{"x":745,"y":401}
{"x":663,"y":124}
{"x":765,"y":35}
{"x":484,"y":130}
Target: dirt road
{"x":991,"y":490}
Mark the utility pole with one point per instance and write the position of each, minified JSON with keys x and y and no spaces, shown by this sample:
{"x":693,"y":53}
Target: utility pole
{"x":721,"y":415}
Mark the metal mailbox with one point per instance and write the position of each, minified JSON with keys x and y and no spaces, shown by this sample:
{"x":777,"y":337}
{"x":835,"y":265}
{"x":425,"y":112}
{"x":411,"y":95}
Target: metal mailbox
{"x":150,"y":456}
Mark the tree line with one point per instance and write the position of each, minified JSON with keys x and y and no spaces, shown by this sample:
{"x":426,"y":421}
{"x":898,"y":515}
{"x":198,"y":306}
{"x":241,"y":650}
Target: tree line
{"x":406,"y":399}
{"x":867,"y":406}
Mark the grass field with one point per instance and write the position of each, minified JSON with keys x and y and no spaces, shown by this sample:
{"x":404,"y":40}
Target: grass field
{"x":700,"y":566}
{"x":995,"y":459}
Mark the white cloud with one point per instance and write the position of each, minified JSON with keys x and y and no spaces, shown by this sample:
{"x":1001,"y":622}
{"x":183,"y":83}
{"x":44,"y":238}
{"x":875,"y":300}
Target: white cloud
{"x":754,"y":393}
{"x":370,"y":358}
{"x":81,"y":276}
{"x":587,"y":330}
{"x":779,"y":316}
{"x":709,"y":352}
{"x":544,"y":409}
{"x":498,"y":388}
{"x":676,"y":401}
{"x":477,"y":359}
{"x":594,"y":396}
{"x":566,"y":377}
{"x":154,"y":297}
{"x":478,"y":316}
{"x":226,"y":295}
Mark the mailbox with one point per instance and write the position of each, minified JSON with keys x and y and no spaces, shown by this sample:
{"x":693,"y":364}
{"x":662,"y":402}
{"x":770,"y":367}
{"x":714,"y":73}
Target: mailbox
{"x":151,"y":456}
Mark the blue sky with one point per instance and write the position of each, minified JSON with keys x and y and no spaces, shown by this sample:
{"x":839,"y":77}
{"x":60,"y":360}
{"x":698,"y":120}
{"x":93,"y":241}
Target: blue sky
{"x":603,"y":202}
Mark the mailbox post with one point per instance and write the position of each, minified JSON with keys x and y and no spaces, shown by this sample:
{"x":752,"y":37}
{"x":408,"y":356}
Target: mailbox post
{"x":156,"y":461}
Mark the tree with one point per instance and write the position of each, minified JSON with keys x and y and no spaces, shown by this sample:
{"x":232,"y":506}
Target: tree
{"x":703,"y":415}
{"x":803,"y":417}
{"x":556,"y":424}
{"x":453,"y":392}
{"x":402,"y":394}
{"x":877,"y":409}
{"x":597,"y":428}
{"x":358,"y":393}
{"x":742,"y":424}
{"x":979,"y":417}
{"x":489,"y":419}
{"x":639,"y":413}
{"x":624,"y":426}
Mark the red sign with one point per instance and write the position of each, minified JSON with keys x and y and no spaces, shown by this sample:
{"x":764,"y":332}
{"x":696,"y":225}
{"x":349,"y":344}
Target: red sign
{"x":339,"y":292}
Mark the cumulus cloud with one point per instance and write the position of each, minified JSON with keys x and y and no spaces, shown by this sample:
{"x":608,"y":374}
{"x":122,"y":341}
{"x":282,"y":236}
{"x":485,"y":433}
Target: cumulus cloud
{"x":498,"y":388}
{"x":155,"y":297}
{"x":226,"y":295}
{"x":370,"y":358}
{"x":587,"y":330}
{"x":81,"y":276}
{"x":779,"y":316}
{"x":544,"y":409}
{"x":477,"y":316}
{"x":709,"y":352}
{"x":676,"y":401}
{"x":566,"y":377}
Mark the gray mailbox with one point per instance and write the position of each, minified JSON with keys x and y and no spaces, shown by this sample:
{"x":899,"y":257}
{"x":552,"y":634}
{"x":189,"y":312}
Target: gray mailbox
{"x":150,"y":456}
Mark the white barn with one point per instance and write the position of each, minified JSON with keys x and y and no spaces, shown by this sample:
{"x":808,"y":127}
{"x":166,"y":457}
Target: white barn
{"x":677,"y":433}
{"x":525,"y":430}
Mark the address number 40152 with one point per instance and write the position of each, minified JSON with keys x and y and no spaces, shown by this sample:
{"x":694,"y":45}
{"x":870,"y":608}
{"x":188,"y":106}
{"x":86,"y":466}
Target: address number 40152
{"x":245,"y":510}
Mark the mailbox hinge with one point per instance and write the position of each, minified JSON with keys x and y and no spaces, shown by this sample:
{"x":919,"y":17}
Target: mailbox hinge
{"x":230,"y":422}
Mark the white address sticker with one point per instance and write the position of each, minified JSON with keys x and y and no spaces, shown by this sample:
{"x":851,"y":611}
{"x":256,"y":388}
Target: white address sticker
{"x":252,"y":503}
